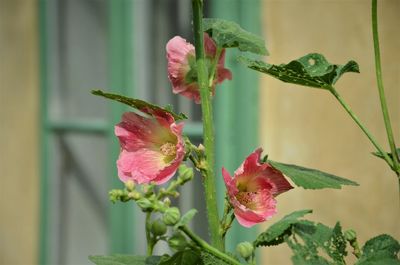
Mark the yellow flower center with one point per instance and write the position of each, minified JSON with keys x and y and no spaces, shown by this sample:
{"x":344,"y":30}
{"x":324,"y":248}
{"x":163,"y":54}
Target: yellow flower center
{"x":168,"y":149}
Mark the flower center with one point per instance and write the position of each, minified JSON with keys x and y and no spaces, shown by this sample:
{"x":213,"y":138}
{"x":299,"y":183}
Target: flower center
{"x":248,"y":199}
{"x":168,"y":149}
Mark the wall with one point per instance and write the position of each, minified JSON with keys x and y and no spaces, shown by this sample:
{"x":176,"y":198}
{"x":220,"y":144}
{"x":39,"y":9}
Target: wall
{"x":308,"y":127}
{"x":19,"y":132}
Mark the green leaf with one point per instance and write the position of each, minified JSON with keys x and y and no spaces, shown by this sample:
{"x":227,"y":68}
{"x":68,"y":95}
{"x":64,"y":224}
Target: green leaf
{"x":228,"y":34}
{"x":382,"y":249}
{"x":186,"y":218}
{"x":139,"y":104}
{"x":118,"y":259}
{"x":312,"y":70}
{"x":378,"y":154}
{"x":184,"y":257}
{"x":311,"y":178}
{"x":275,"y":234}
{"x":209,"y":259}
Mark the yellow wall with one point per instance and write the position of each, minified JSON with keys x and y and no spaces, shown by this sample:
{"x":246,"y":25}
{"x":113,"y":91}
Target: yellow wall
{"x":308,"y":126}
{"x":19,"y":132}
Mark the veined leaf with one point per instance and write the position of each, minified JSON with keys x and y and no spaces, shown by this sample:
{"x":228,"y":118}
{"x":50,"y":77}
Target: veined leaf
{"x":382,"y":249}
{"x":184,"y":257}
{"x":275,"y":234}
{"x":138,"y":103}
{"x":312,"y":70}
{"x":228,"y":34}
{"x":311,"y":178}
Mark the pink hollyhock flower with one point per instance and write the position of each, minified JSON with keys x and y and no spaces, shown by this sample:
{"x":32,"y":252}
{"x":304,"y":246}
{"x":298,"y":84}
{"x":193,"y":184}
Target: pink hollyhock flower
{"x":182,"y":66}
{"x":253,"y":189}
{"x":152,"y":148}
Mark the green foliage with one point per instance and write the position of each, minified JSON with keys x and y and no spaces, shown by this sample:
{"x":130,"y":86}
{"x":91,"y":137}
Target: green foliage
{"x":186,"y":218}
{"x":139,"y":104}
{"x":118,"y":259}
{"x":209,"y":259}
{"x":183,"y":257}
{"x":311,"y":178}
{"x":228,"y":34}
{"x":378,"y":154}
{"x":380,"y":250}
{"x":312,"y":70}
{"x":275,"y":233}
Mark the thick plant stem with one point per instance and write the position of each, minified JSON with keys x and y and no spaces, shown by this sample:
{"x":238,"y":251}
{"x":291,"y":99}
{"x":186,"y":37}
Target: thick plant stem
{"x":208,"y":126}
{"x":363,"y":128}
{"x":203,"y":244}
{"x":378,"y":70}
{"x":150,"y":243}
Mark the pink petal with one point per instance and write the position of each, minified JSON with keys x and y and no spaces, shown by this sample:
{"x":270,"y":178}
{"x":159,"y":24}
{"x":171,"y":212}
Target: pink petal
{"x":210,"y":48}
{"x":229,"y":183}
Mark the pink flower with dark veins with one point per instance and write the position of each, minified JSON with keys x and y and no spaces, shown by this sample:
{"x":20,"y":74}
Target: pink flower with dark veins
{"x":152,"y":147}
{"x":253,"y":189}
{"x":182,"y":66}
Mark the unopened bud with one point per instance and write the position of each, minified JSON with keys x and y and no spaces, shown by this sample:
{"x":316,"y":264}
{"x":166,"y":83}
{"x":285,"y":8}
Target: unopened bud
{"x":134,"y":195}
{"x":167,"y":202}
{"x":201,"y":148}
{"x":185,"y":174}
{"x":158,"y":228}
{"x":171,"y":216}
{"x":350,"y":235}
{"x":175,"y":194}
{"x":177,"y":241}
{"x":130,"y":185}
{"x":245,"y":249}
{"x":145,"y":204}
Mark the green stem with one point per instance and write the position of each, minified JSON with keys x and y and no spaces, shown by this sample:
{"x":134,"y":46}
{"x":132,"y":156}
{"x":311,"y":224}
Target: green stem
{"x":150,"y":244}
{"x":363,"y":128}
{"x":214,"y":67}
{"x":379,"y":79}
{"x":203,"y":244}
{"x":208,"y":127}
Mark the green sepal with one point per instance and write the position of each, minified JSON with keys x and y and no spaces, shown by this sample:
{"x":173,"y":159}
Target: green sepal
{"x":139,"y":104}
{"x":228,"y":34}
{"x":312,"y":70}
{"x":308,"y":178}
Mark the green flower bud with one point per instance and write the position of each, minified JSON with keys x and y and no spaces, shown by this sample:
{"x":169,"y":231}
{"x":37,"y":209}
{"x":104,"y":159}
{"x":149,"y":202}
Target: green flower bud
{"x":350,"y":235}
{"x":130,"y":185}
{"x":177,"y":241}
{"x":171,"y":216}
{"x":167,"y":202}
{"x":145,"y":204}
{"x":185,"y":174}
{"x":134,"y":195}
{"x":245,"y":249}
{"x":158,"y":228}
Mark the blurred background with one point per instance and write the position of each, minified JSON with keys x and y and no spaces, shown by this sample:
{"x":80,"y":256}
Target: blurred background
{"x":58,"y":152}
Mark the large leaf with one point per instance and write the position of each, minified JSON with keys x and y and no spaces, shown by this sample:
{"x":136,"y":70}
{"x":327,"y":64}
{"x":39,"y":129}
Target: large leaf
{"x":382,"y":249}
{"x":228,"y":34}
{"x":184,"y":257}
{"x":274,"y":235}
{"x":311,"y":178}
{"x":138,"y":104}
{"x":209,"y":259}
{"x":118,"y":259}
{"x":312,"y":70}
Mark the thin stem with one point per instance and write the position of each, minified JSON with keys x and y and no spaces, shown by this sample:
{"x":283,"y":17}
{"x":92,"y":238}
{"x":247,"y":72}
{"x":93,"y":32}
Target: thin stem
{"x":208,"y":127}
{"x":363,"y":128}
{"x":150,"y":244}
{"x":379,"y":79}
{"x":214,"y":67}
{"x":203,"y":244}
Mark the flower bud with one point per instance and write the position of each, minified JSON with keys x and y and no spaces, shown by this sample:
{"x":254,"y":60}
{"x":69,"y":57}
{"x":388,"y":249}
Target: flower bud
{"x":177,"y":241}
{"x":185,"y":174}
{"x":167,"y":202}
{"x":134,"y":195}
{"x":158,"y":228}
{"x":350,"y":235}
{"x":245,"y":249}
{"x":145,"y":204}
{"x":130,"y":185}
{"x":171,"y":216}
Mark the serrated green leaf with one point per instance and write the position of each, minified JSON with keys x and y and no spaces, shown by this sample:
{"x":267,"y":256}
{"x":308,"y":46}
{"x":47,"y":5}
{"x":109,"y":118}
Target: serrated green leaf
{"x":184,"y":257}
{"x":138,"y":104}
{"x":312,"y":70}
{"x":378,"y":154}
{"x":118,"y":259}
{"x":275,"y":234}
{"x":228,"y":34}
{"x":186,"y":218}
{"x":209,"y":259}
{"x":311,"y":178}
{"x":382,"y":247}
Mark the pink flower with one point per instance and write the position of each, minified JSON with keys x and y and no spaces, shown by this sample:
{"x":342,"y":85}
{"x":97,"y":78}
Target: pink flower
{"x":253,"y":189}
{"x":152,"y":147}
{"x":182,"y":66}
